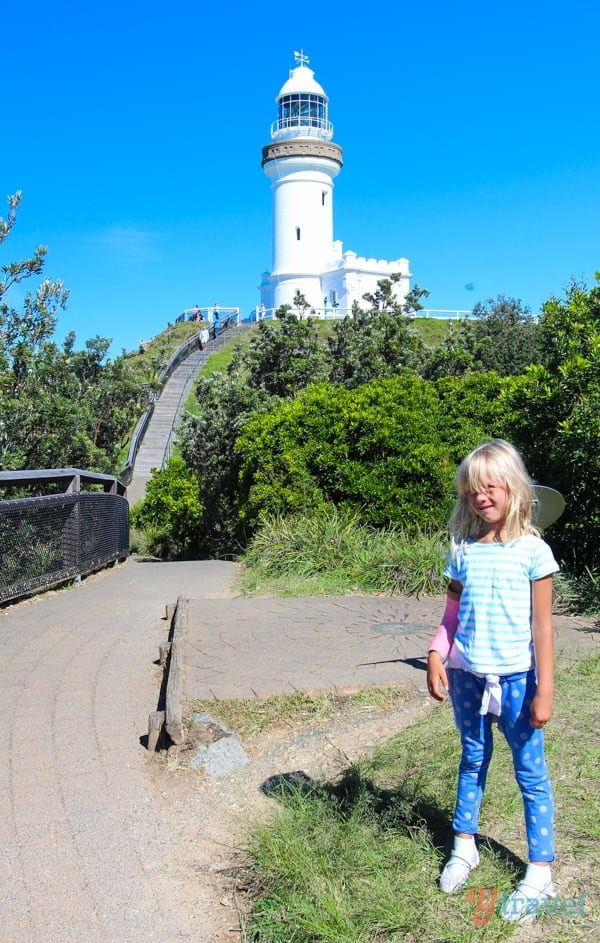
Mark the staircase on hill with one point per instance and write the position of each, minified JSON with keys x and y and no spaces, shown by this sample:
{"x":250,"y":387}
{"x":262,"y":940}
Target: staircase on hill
{"x":156,"y":444}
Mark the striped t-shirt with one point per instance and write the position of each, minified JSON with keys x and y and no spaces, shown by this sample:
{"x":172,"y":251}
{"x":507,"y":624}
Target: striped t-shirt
{"x":494,"y":616}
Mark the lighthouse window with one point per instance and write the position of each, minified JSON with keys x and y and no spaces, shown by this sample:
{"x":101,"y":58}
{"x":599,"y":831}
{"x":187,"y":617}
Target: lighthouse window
{"x":323,"y":198}
{"x":298,"y":233}
{"x":302,"y":110}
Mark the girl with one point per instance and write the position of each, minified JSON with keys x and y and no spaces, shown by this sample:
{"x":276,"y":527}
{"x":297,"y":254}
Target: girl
{"x":497,"y":636}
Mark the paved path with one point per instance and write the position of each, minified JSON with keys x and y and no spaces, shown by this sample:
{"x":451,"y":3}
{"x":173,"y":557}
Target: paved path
{"x":88,"y":848}
{"x":255,"y":647}
{"x":267,"y":646}
{"x":96,"y":842}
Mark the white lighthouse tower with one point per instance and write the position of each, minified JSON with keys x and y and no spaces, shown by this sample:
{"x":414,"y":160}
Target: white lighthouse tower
{"x":302,"y":162}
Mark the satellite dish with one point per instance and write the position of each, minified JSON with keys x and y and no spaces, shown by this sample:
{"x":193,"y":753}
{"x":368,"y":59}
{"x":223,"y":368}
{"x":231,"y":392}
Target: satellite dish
{"x":548,"y":505}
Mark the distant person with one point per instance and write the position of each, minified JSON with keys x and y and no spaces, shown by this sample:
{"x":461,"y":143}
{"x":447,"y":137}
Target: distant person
{"x":197,"y":314}
{"x":204,"y":338}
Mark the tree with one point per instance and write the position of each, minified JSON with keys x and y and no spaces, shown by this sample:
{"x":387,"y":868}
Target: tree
{"x":384,"y":298}
{"x":300,"y":304}
{"x":501,"y":335}
{"x":171,"y":511}
{"x":284,"y":356}
{"x":58,"y":406}
{"x":23,"y":333}
{"x":555,"y":419}
{"x":379,"y":342}
{"x":387,"y":450}
{"x":207,"y":445}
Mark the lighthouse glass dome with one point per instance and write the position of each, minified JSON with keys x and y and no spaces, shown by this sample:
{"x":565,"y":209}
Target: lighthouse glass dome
{"x":301,"y":111}
{"x":302,"y":107}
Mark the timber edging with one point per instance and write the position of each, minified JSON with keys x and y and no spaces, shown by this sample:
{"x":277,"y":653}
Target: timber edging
{"x":172,"y":660}
{"x":173,"y":712}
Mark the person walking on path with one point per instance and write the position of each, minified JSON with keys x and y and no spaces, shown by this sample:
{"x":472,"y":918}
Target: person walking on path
{"x":203,"y":337}
{"x":497,"y":637}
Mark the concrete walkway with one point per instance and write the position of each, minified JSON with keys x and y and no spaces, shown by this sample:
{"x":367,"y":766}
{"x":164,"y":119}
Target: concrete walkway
{"x":89,"y":847}
{"x":97,"y":841}
{"x":257,"y":647}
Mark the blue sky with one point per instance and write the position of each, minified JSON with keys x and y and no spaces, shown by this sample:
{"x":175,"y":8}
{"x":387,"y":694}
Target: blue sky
{"x":470,"y":132}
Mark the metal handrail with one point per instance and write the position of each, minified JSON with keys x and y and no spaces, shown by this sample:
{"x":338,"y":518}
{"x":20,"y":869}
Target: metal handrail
{"x":73,"y":478}
{"x":336,"y":313}
{"x":48,"y":539}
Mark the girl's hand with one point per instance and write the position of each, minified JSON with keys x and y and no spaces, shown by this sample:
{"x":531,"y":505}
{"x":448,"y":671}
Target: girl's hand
{"x":437,"y":679}
{"x":541,"y":710}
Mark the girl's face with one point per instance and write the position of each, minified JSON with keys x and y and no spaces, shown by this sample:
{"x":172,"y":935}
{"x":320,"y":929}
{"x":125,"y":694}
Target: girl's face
{"x":491,"y":502}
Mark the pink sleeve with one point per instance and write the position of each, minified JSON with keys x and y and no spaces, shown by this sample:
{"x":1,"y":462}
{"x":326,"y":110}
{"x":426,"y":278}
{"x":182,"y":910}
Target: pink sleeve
{"x":444,"y":636}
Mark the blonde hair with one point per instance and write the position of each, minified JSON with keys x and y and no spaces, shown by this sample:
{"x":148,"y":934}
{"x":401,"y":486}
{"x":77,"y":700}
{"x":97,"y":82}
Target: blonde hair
{"x":497,"y":460}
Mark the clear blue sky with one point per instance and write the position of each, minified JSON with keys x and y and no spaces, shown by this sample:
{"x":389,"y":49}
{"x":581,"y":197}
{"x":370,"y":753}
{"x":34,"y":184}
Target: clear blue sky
{"x":470,"y":132}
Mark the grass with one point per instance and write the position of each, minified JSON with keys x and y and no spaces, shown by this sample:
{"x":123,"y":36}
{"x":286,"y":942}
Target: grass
{"x":357,"y":860}
{"x":432,"y":330}
{"x":218,"y":362}
{"x":578,"y":594}
{"x":158,"y":350}
{"x":250,"y":717}
{"x":329,"y":551}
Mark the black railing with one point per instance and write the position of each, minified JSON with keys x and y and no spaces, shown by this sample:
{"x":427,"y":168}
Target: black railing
{"x":47,"y":539}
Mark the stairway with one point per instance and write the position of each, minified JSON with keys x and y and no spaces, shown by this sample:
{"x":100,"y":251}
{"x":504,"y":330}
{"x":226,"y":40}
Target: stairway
{"x":157,"y":442}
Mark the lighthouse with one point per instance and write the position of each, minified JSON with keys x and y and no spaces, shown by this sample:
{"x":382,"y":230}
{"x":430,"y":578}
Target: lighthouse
{"x":301,"y":163}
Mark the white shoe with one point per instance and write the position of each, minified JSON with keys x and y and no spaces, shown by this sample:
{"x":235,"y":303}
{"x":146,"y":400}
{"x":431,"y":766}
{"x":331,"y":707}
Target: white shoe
{"x":456,"y":873}
{"x":527,"y":901}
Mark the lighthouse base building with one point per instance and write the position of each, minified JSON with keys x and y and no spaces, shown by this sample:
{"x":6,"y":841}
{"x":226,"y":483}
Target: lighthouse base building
{"x":301,"y":163}
{"x":346,"y":278}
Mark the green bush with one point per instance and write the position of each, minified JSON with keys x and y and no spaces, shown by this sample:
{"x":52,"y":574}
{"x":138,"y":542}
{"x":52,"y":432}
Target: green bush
{"x":554,"y":418}
{"x":170,"y":512}
{"x":387,"y":450}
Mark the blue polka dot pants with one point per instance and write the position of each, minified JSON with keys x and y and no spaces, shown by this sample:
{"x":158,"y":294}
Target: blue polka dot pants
{"x":527,"y":747}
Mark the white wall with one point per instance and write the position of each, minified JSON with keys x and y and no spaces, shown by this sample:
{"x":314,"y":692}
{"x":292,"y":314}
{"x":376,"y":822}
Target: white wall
{"x":302,"y":207}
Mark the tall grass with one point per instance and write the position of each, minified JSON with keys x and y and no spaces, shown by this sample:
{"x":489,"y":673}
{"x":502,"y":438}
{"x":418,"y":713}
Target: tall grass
{"x":578,"y":594}
{"x":331,"y":551}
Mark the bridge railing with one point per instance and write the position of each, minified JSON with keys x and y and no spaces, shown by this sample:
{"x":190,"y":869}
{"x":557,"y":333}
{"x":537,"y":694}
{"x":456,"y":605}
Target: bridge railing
{"x":80,"y":525}
{"x":335,"y":313}
{"x":211,"y":315}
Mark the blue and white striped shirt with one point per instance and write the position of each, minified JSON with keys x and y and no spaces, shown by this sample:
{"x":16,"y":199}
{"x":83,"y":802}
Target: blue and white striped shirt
{"x":494,"y":616}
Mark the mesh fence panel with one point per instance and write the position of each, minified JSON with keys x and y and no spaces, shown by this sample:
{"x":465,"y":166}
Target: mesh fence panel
{"x":46,"y":540}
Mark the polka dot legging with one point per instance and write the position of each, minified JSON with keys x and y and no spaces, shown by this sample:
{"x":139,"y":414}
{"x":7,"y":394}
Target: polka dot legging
{"x":527,"y":747}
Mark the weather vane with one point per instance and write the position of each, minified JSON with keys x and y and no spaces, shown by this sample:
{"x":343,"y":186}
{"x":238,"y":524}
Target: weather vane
{"x":301,"y":58}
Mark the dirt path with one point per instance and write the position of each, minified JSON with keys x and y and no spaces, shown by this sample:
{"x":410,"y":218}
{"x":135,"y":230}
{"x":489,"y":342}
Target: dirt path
{"x":212,"y":814}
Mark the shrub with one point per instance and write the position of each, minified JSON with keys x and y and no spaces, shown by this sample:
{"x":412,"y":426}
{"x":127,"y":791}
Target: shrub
{"x":387,"y":450}
{"x":331,"y":550}
{"x":170,"y":512}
